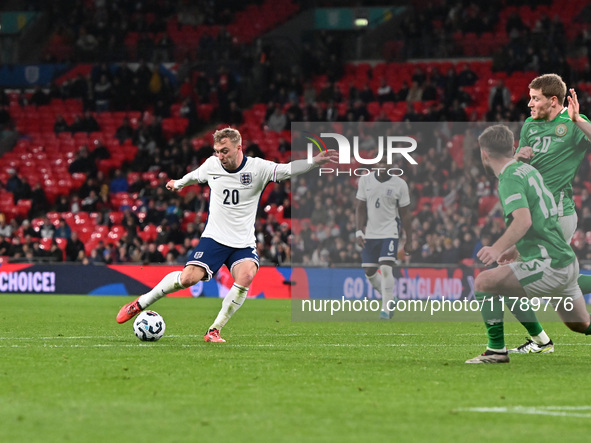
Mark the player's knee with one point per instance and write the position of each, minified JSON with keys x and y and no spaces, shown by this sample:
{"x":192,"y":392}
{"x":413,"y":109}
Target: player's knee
{"x":189,"y":276}
{"x":386,"y":271}
{"x":482,"y":283}
{"x":248,"y":277}
{"x":245,"y":275}
{"x":187,"y":280}
{"x":370,"y":271}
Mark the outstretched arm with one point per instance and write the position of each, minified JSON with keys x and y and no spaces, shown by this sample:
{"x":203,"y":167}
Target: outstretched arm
{"x":188,"y":179}
{"x":297,"y":167}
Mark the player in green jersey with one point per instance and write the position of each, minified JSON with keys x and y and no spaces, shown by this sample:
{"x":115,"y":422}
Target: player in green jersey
{"x":548,"y":267}
{"x":555,"y":141}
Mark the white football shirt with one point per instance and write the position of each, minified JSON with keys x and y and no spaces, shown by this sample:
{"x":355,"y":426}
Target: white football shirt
{"x":383,"y":201}
{"x":235,"y":196}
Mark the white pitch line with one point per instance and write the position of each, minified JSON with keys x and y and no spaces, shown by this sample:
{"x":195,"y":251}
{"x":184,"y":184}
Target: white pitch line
{"x":556,"y":411}
{"x":251,"y":345}
{"x":360,"y":334}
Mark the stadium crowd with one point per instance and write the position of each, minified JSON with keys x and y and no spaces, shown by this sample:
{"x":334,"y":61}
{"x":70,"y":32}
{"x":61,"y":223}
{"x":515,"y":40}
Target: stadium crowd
{"x":449,"y":226}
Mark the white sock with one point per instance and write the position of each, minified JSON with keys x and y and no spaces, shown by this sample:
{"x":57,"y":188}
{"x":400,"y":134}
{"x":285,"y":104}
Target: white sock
{"x":376,"y":281}
{"x":541,"y":339}
{"x":230,"y":305}
{"x":387,"y":289}
{"x":169,"y":284}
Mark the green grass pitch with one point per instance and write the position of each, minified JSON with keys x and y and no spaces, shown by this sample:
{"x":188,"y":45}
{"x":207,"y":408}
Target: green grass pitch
{"x":69,"y":372}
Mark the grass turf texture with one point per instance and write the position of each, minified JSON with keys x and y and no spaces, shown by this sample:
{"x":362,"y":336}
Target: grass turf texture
{"x":69,"y":372}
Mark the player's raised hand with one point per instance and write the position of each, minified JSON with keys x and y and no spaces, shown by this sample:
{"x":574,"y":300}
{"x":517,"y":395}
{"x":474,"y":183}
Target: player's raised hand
{"x":573,"y":106}
{"x":525,"y":154}
{"x":170,"y":185}
{"x":330,"y":155}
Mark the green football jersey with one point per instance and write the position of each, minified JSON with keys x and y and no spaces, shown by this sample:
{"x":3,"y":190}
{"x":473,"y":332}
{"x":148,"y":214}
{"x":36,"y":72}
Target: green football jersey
{"x":521,"y":186}
{"x":559,"y":148}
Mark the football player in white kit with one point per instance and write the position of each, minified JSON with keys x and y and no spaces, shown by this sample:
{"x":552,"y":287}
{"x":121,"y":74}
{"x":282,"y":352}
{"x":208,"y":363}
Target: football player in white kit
{"x":382,"y":203}
{"x":236,"y":184}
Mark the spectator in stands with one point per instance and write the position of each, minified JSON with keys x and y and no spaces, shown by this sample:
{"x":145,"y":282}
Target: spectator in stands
{"x":309,"y":93}
{"x":410,"y":115}
{"x":39,"y":97}
{"x":63,"y":230}
{"x":14,"y":183}
{"x":162,"y":107}
{"x":499,"y":96}
{"x":415,"y":93}
{"x":331,"y":114}
{"x":402,"y":93}
{"x":130,"y":222}
{"x":37,"y":253}
{"x":46,"y":230}
{"x":4,"y":245}
{"x":152,"y":255}
{"x":456,"y":113}
{"x":89,"y":123}
{"x":118,"y":182}
{"x":5,"y":228}
{"x":360,"y":112}
{"x":86,"y":45}
{"x":277,"y":122}
{"x":102,"y":94}
{"x":83,"y":162}
{"x":23,"y":191}
{"x":90,"y":202}
{"x":294,"y":112}
{"x":5,"y":119}
{"x":188,"y":110}
{"x":385,"y":92}
{"x":125,"y":131}
{"x":55,"y":254}
{"x":366,"y":94}
{"x":77,"y":125}
{"x":164,"y":49}
{"x":466,"y":77}
{"x":60,"y":125}
{"x":451,"y":251}
{"x":429,"y":91}
{"x":27,"y":229}
{"x":100,"y":151}
{"x":16,"y":249}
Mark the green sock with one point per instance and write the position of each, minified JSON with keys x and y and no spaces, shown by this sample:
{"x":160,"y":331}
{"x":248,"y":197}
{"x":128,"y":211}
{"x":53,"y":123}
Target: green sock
{"x":492,"y":314}
{"x":526,"y":316}
{"x":588,"y":331}
{"x":584,"y":282}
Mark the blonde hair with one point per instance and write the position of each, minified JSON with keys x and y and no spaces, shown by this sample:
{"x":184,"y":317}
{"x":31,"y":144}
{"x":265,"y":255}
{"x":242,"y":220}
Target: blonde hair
{"x":551,"y":85}
{"x":230,"y":133}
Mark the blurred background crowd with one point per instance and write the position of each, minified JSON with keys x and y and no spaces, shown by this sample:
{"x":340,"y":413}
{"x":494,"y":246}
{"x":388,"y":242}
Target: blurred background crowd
{"x":139,"y":86}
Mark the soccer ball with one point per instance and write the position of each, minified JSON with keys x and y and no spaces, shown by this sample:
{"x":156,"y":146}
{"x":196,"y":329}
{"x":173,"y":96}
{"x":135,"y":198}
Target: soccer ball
{"x":149,"y":326}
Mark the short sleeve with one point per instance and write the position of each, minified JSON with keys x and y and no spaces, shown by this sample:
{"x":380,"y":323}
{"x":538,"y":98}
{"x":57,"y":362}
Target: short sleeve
{"x":512,"y":195}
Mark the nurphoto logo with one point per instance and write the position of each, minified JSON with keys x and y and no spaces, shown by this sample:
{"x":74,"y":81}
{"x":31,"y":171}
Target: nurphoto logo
{"x":387,"y":147}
